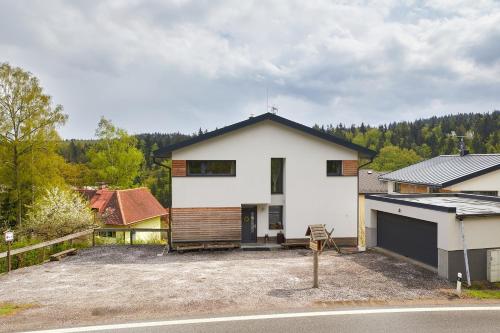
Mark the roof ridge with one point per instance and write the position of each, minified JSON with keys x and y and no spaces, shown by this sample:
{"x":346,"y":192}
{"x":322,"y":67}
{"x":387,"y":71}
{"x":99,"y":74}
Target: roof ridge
{"x":120,"y":207}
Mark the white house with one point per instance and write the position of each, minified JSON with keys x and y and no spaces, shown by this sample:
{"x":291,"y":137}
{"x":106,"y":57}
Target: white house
{"x":263,"y":176}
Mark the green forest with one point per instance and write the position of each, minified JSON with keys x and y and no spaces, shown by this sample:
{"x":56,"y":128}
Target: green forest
{"x":37,"y":164}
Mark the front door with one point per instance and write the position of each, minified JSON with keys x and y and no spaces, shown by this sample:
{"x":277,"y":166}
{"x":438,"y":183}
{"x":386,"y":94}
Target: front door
{"x":249,"y":224}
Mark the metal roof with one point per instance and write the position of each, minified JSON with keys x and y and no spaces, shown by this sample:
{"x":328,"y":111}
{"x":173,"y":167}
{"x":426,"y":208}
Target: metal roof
{"x":445,"y":170}
{"x":167,"y":151}
{"x":459,"y":203}
{"x":369,"y":182}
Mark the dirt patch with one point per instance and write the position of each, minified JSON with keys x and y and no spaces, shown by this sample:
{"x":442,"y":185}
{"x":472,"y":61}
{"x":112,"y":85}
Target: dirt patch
{"x":116,"y":283}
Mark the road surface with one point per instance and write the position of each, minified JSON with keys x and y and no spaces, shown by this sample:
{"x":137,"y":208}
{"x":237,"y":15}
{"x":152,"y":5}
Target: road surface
{"x":431,"y":319}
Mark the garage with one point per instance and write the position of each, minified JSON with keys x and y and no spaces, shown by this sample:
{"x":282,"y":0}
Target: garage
{"x":413,"y":238}
{"x":448,"y":233}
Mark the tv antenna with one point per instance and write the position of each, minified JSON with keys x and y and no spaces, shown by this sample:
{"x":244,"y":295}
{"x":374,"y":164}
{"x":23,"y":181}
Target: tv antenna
{"x":270,"y":108}
{"x":461,"y":144}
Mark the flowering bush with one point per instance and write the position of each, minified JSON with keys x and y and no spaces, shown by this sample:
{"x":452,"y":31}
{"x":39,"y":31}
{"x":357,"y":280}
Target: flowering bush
{"x":58,"y":213}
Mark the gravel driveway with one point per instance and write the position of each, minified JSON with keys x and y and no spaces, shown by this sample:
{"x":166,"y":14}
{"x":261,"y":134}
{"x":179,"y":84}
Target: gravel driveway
{"x":112,"y":283}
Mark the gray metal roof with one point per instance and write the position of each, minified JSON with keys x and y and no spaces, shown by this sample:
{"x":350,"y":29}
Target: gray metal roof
{"x":445,"y":170}
{"x":461,"y":204}
{"x":369,"y":182}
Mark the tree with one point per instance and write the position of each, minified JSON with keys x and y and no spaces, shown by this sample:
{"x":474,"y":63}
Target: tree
{"x":58,"y":213}
{"x":27,"y":135}
{"x":114,"y":158}
{"x":392,"y":158}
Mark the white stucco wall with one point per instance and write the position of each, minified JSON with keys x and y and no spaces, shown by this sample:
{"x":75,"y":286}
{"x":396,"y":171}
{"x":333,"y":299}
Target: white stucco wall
{"x":480,"y":232}
{"x":310,"y":196}
{"x":487,"y":182}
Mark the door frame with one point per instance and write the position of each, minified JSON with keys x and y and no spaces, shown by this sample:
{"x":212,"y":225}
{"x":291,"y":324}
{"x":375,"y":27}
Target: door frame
{"x":249,"y":207}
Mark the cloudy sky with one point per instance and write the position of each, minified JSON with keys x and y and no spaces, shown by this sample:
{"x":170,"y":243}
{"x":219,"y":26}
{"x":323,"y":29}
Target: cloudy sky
{"x":179,"y":65}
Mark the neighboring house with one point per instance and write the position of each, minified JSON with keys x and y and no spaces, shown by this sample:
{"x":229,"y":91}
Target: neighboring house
{"x":127,"y":209}
{"x":434,"y":229}
{"x":369,"y":183}
{"x":470,"y":173}
{"x":263,"y":176}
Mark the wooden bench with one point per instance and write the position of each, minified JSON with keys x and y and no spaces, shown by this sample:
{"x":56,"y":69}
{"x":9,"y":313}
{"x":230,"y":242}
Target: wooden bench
{"x":57,"y":256}
{"x":292,"y":244}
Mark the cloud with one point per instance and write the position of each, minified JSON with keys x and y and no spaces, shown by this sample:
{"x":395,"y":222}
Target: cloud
{"x":180,"y":65}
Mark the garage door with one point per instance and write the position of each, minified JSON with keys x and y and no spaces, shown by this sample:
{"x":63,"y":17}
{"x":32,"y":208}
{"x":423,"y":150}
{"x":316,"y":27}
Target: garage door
{"x":413,"y":238}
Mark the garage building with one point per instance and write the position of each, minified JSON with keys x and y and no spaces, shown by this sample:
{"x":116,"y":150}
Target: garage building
{"x":428,"y":229}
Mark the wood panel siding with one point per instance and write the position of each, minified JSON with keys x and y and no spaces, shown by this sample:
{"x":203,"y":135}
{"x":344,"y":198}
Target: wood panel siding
{"x":179,"y":168}
{"x":349,"y":168}
{"x":412,"y":188}
{"x":206,"y":224}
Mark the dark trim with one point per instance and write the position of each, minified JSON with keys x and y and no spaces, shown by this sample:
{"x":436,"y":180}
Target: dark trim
{"x":410,"y":203}
{"x":445,"y":184}
{"x":167,"y":151}
{"x":209,"y":175}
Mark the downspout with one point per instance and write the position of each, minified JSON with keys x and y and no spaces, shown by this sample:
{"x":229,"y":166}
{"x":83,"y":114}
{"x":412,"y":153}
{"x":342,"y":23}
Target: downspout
{"x":357,"y":200}
{"x":466,"y":257}
{"x":169,"y":233}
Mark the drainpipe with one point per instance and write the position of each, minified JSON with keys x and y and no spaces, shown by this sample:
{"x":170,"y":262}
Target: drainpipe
{"x":169,"y":233}
{"x":357,"y":200}
{"x":466,"y":257}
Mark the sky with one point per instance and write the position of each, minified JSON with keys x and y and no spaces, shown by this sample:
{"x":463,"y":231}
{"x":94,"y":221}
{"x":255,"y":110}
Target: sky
{"x":176,"y":66}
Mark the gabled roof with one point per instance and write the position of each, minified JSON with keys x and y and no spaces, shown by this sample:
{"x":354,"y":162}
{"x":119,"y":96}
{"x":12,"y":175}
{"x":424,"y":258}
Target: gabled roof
{"x":167,"y":151}
{"x":445,"y":170}
{"x":369,"y":182}
{"x":124,"y":207}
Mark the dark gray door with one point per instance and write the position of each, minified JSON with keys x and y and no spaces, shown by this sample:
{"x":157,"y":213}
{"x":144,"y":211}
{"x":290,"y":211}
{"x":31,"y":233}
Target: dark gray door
{"x":249,"y":225}
{"x":413,"y":238}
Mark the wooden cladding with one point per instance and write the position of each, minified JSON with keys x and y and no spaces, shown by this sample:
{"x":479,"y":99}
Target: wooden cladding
{"x":413,"y":188}
{"x":206,"y":224}
{"x":179,"y":168}
{"x":349,"y":168}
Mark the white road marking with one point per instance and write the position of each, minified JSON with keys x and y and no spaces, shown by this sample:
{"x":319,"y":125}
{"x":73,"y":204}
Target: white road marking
{"x":266,"y":316}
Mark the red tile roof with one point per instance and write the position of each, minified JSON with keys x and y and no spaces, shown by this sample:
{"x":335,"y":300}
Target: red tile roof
{"x":124,"y":207}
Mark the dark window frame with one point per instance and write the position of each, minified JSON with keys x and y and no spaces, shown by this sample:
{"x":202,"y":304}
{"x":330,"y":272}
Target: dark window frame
{"x":189,"y":173}
{"x":397,"y":187}
{"x":280,"y":223}
{"x":331,"y":174}
{"x":280,"y":181}
{"x":489,"y":193}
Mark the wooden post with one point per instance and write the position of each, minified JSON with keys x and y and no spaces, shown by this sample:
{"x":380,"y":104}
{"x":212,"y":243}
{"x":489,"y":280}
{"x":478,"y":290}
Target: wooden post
{"x":315,"y":264}
{"x":131,"y":238}
{"x":93,"y":238}
{"x":9,"y":258}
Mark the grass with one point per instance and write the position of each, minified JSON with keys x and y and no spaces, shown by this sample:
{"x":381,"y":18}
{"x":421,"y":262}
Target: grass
{"x":10,"y":309}
{"x":484,"y":290}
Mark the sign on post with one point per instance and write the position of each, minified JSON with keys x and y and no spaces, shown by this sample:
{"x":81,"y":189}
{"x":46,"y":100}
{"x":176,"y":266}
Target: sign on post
{"x":9,"y":236}
{"x":317,"y":237}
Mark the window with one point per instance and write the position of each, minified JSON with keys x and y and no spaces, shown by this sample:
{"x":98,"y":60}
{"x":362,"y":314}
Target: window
{"x":397,"y":187}
{"x":211,"y":168}
{"x":275,"y":217}
{"x":108,"y":234}
{"x":334,"y":168}
{"x":277,"y":175}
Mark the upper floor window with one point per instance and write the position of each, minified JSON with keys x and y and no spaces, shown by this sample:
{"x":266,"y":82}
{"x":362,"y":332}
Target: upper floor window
{"x":211,"y":168}
{"x":334,"y":168}
{"x":277,"y":175}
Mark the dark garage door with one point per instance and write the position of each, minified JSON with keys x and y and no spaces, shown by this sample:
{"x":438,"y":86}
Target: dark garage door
{"x":413,"y":238}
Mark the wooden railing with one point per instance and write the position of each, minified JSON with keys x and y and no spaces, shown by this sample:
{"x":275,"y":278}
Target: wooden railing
{"x":130,"y":230}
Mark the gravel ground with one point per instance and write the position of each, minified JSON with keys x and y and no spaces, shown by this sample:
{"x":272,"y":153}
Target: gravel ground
{"x":117,"y":283}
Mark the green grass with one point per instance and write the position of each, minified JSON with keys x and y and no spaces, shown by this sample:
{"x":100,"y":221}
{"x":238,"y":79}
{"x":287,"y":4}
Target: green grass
{"x":484,"y":290}
{"x":9,"y":309}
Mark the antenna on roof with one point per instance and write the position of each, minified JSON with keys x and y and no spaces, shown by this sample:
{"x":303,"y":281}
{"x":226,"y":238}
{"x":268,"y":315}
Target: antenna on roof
{"x":461,"y":145}
{"x":274,"y":109}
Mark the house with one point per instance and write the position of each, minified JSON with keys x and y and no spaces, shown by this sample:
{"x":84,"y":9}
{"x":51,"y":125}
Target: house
{"x":369,"y":183}
{"x":441,"y":231}
{"x":264,"y":176}
{"x":465,"y":173}
{"x":125,"y":210}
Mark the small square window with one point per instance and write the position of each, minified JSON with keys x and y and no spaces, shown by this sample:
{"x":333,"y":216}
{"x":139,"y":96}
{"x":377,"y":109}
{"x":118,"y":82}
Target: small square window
{"x":275,"y":217}
{"x":334,"y":168}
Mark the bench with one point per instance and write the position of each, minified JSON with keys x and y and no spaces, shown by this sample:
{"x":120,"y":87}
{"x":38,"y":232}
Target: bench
{"x":295,"y":244}
{"x":57,"y":256}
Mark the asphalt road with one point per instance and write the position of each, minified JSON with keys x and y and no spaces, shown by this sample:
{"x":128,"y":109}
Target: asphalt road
{"x":459,"y":319}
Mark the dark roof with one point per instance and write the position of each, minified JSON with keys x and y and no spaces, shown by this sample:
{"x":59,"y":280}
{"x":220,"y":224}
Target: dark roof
{"x":166,"y":151}
{"x":459,"y":203}
{"x":445,"y":170}
{"x":369,"y":182}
